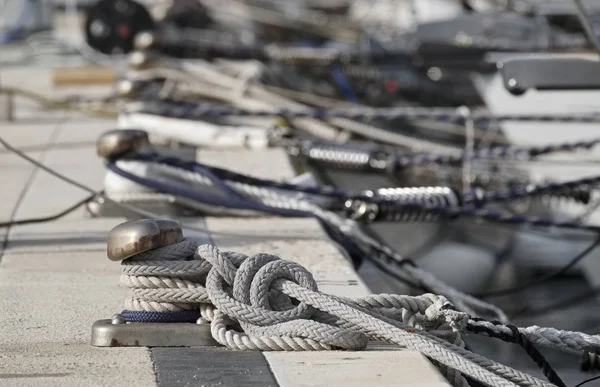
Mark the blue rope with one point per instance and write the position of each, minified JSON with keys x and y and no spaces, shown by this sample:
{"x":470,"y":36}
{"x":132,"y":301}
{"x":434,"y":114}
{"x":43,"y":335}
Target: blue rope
{"x":469,"y":211}
{"x":224,"y":174}
{"x":185,"y":316}
{"x":235,"y":201}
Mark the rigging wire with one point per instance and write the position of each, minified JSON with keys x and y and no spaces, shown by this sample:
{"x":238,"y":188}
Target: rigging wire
{"x":561,"y":305}
{"x":142,"y":213}
{"x":587,"y":381}
{"x":545,"y":278}
{"x":91,"y":191}
{"x":56,"y":216}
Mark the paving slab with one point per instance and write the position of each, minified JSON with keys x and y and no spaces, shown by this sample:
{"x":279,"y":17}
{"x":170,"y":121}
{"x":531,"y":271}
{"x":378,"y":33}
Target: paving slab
{"x":47,"y":195}
{"x":374,"y":367}
{"x":83,"y":156}
{"x":61,"y":307}
{"x":13,"y":184}
{"x":28,"y":134}
{"x":74,"y":364}
{"x":55,"y":280}
{"x":86,"y":260}
{"x":31,"y":138}
{"x":187,"y":367}
{"x":41,"y":194}
{"x":50,"y":295}
{"x":64,"y":236}
{"x":84,"y":130}
{"x":265,"y":163}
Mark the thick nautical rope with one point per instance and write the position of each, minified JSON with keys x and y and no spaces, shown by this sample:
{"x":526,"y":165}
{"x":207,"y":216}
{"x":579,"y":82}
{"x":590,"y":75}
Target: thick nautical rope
{"x":249,"y":302}
{"x":384,"y":161}
{"x":272,"y":200}
{"x":181,"y":170}
{"x":191,"y":110}
{"x":565,"y":341}
{"x":351,"y":230}
{"x":228,"y":179}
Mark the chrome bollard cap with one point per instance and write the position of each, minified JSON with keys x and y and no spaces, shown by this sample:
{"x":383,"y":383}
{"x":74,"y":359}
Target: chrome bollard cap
{"x":137,"y":236}
{"x":117,"y":142}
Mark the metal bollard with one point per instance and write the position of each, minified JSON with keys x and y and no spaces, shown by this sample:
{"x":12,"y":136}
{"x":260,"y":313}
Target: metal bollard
{"x":116,"y":143}
{"x":124,"y":241}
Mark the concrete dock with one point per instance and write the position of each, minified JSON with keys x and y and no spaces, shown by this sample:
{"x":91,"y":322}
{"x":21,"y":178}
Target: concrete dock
{"x":55,"y":279}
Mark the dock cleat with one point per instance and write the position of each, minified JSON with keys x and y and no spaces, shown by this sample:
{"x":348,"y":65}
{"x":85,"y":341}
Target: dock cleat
{"x":116,"y":143}
{"x":140,"y":324}
{"x":119,"y":147}
{"x":138,"y":236}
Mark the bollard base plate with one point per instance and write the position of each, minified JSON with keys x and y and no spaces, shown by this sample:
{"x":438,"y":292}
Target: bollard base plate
{"x":107,"y":334}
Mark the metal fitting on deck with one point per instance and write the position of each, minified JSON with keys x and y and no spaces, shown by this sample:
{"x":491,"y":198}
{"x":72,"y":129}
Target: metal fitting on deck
{"x":154,"y":328}
{"x":115,"y":143}
{"x":138,"y":236}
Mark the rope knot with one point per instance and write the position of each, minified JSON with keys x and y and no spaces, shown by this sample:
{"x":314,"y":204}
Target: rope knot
{"x":265,"y":303}
{"x":250,"y":292}
{"x":443,"y":310}
{"x":245,"y":287}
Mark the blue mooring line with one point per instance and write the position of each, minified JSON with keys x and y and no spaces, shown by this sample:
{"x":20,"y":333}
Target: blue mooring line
{"x":184,"y":316}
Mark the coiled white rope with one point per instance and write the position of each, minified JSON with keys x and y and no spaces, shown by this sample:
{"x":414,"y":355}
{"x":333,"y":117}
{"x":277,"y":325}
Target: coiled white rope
{"x":249,"y":303}
{"x":178,"y":277}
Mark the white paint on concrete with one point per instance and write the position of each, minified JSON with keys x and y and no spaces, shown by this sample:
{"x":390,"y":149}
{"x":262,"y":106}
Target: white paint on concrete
{"x":354,"y":369}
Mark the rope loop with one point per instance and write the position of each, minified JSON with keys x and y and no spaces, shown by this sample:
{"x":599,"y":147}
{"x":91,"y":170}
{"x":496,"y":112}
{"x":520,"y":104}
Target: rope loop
{"x":262,"y":302}
{"x":249,"y":285}
{"x":240,"y":288}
